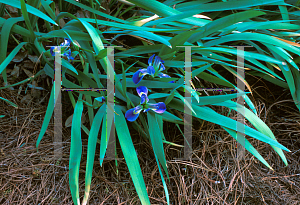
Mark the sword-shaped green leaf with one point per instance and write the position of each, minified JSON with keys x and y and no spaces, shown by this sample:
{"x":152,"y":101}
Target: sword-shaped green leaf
{"x":130,"y":156}
{"x":75,"y":152}
{"x":92,"y":141}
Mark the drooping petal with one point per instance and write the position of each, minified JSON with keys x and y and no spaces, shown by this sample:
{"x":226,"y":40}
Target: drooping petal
{"x":147,"y":110}
{"x":68,"y":55}
{"x":158,"y":107}
{"x":150,"y":60}
{"x":144,"y":71}
{"x":138,"y":75}
{"x":162,"y":75}
{"x":132,"y":114}
{"x":150,"y":70}
{"x":70,"y":58}
{"x":142,"y":90}
{"x":144,"y":98}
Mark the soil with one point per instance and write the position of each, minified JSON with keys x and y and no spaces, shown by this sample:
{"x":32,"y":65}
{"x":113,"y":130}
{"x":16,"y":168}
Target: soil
{"x":28,"y":176}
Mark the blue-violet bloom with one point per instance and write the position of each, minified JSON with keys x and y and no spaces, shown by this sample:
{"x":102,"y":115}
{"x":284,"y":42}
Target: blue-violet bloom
{"x":67,"y":53}
{"x":132,"y":114}
{"x":154,"y":69}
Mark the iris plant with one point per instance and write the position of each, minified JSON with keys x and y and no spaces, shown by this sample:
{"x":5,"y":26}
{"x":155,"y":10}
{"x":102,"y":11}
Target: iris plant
{"x":154,"y":69}
{"x":132,"y":114}
{"x":66,"y":53}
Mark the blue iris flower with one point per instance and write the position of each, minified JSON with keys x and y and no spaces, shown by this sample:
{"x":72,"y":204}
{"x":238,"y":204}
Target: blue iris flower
{"x":67,"y":53}
{"x":67,"y":42}
{"x":154,"y":69}
{"x":132,"y":114}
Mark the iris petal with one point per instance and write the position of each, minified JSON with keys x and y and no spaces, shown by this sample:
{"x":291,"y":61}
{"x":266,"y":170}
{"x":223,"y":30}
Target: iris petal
{"x":66,"y":53}
{"x":66,"y":42}
{"x":156,"y":62}
{"x":162,"y":67}
{"x":132,"y":114}
{"x":144,"y":98}
{"x":136,"y":78}
{"x":69,"y":56}
{"x":52,"y":50}
{"x":162,"y":75}
{"x":147,"y":110}
{"x":144,"y":71}
{"x":138,"y":75}
{"x":158,"y":107}
{"x":142,"y":90}
{"x":150,"y":70}
{"x":150,"y":60}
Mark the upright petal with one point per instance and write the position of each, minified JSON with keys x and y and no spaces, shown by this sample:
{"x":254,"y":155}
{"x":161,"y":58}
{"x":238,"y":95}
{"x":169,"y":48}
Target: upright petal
{"x":150,"y":70}
{"x":144,"y":98}
{"x":66,"y":42}
{"x":162,"y":67}
{"x":150,"y":60}
{"x":158,"y":107}
{"x":132,"y":114}
{"x":138,"y":75}
{"x":142,"y":90}
{"x":156,"y":62}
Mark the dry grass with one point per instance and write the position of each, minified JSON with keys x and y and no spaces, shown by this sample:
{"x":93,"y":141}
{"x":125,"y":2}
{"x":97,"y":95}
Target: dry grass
{"x":31,"y":177}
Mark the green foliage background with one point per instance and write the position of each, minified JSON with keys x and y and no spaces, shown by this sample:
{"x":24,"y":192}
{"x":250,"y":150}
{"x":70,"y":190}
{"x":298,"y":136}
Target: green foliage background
{"x":270,"y":26}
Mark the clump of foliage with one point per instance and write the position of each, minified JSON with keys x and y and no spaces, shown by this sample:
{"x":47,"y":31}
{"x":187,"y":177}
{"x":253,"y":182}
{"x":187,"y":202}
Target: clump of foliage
{"x":162,"y":28}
